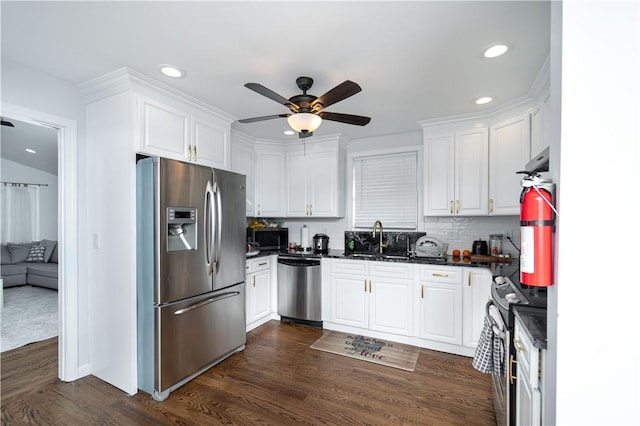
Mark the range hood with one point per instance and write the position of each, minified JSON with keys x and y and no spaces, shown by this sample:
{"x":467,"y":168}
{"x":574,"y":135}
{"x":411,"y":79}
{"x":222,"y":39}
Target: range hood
{"x":539,"y":163}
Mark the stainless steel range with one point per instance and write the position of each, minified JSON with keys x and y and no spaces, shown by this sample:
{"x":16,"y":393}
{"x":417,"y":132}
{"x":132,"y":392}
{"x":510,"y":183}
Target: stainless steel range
{"x":505,"y":293}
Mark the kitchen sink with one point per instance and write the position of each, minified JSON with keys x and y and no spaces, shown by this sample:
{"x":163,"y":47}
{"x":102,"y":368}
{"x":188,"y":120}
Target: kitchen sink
{"x":363,"y":256}
{"x":375,"y":256}
{"x":393,"y":257}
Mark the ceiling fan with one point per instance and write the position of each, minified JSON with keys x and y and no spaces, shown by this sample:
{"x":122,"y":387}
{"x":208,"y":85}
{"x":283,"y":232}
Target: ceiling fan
{"x":307,"y":111}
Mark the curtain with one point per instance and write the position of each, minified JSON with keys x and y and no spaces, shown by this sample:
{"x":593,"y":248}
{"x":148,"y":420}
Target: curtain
{"x":19,"y":213}
{"x":385,"y":188}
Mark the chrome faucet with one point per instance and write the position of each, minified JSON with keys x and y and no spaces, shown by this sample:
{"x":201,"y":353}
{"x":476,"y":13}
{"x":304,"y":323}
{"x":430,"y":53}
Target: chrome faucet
{"x":375,"y":226}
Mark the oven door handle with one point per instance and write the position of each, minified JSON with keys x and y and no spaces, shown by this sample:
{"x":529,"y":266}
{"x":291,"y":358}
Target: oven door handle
{"x":494,"y":325}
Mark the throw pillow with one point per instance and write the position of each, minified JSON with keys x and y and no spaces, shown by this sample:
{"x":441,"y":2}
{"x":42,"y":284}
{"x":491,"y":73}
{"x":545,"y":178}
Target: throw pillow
{"x":54,"y":255}
{"x":49,"y":246}
{"x":6,"y":256}
{"x":19,"y":252}
{"x":36,"y":254}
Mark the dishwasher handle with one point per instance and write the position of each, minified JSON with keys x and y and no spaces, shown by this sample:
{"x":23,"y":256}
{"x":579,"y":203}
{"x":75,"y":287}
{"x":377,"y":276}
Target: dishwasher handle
{"x":295,"y":261}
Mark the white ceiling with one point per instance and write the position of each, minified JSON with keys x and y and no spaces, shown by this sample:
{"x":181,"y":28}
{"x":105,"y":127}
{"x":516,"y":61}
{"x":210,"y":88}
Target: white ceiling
{"x":415,"y":60}
{"x":43,"y":140}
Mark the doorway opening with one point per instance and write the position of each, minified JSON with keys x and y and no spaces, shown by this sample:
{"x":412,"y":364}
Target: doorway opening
{"x":69,"y":368}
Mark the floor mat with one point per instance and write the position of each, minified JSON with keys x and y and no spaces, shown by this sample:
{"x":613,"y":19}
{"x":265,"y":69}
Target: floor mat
{"x":369,"y":349}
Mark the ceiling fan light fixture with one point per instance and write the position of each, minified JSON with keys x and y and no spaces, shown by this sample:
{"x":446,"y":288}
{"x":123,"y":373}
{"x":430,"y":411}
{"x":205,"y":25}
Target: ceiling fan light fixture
{"x":304,"y":122}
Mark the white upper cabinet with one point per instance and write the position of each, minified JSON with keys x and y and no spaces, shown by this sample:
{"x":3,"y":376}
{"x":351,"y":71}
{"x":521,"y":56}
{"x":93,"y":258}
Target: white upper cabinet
{"x":540,"y":126}
{"x":509,"y":143}
{"x":210,"y":142}
{"x":270,"y":183}
{"x":174,"y":129}
{"x":163,"y":129}
{"x":315,"y":180}
{"x":456,"y":170}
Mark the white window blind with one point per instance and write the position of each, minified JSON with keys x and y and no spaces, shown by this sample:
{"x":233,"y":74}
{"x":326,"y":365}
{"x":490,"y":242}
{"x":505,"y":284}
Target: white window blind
{"x":385,"y":188}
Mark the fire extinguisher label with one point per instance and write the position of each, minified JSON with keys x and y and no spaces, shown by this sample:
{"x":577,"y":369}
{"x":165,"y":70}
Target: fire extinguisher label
{"x":527,"y":250}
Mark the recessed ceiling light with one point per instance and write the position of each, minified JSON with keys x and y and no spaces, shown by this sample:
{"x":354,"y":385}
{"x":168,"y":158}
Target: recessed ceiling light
{"x":289,"y":132}
{"x":483,"y":100}
{"x":172,"y":71}
{"x":495,"y":51}
{"x":30,"y":151}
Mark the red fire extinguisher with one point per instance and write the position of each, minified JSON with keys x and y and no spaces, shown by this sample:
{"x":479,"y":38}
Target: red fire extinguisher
{"x":536,"y":231}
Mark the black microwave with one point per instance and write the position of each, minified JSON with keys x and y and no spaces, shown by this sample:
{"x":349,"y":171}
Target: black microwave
{"x":269,"y":238}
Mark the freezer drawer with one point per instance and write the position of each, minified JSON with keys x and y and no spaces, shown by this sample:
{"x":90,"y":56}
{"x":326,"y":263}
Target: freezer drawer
{"x":197,"y":333}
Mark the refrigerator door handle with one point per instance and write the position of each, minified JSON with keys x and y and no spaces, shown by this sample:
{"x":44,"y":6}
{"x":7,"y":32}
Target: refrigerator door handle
{"x":208,"y":227}
{"x":206,"y":302}
{"x":217,"y":225}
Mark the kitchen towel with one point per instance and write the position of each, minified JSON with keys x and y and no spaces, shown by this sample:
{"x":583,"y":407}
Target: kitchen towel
{"x":489,"y":356}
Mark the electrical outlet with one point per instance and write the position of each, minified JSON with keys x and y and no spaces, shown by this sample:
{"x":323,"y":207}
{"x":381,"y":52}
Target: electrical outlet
{"x":508,"y":233}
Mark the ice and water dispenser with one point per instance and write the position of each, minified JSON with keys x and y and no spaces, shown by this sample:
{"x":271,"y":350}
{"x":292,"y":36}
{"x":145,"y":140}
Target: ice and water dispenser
{"x":181,"y":228}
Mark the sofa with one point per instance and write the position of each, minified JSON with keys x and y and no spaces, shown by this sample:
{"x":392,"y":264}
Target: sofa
{"x":34,"y":263}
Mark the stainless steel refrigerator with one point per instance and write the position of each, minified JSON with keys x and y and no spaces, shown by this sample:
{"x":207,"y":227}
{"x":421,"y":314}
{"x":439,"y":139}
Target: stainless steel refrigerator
{"x":190,"y":271}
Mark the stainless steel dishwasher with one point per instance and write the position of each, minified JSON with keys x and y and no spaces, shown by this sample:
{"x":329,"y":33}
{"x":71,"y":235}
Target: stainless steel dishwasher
{"x":300,"y":290}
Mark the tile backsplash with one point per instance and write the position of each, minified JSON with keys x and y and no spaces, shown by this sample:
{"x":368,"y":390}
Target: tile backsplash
{"x":459,"y":231}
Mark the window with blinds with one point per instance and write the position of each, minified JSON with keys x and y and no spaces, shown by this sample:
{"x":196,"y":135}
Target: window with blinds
{"x":385,"y":188}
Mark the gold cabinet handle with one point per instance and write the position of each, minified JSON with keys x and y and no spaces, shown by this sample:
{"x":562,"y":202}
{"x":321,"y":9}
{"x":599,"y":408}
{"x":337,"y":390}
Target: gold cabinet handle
{"x":451,"y":206}
{"x":490,"y":205}
{"x":370,"y":287}
{"x":457,"y":206}
{"x":195,"y":153}
{"x":259,"y":210}
{"x":439,"y":274}
{"x":469,"y":280}
{"x":310,"y":209}
{"x":189,"y":152}
{"x":254,"y":280}
{"x":422,"y":291}
{"x":365,"y":286}
{"x":518,"y":345}
{"x":510,"y":372}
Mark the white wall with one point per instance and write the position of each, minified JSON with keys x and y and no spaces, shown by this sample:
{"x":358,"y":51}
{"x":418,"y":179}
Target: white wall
{"x":48,"y":214}
{"x":36,"y":90}
{"x":598,"y":363}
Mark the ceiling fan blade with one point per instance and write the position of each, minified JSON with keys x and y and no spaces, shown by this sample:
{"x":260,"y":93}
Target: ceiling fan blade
{"x":358,"y":120}
{"x":338,"y":93}
{"x":259,"y":88}
{"x":263,"y":118}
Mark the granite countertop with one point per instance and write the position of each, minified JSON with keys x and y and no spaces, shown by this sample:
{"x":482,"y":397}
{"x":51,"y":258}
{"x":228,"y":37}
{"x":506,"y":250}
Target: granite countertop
{"x":339,"y":254}
{"x":534,"y":321}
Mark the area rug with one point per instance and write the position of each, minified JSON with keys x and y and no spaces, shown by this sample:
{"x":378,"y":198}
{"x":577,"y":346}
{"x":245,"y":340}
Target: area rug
{"x":391,"y":354}
{"x":29,"y":314}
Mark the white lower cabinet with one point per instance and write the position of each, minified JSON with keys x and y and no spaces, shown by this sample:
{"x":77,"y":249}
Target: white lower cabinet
{"x":528,"y":378}
{"x":372,"y":295}
{"x":476,"y":292}
{"x":258,"y":294}
{"x":430,"y":306}
{"x":440,"y":313}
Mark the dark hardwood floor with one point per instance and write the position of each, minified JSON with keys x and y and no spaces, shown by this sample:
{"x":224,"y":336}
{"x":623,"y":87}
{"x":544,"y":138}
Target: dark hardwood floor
{"x":277,"y":380}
